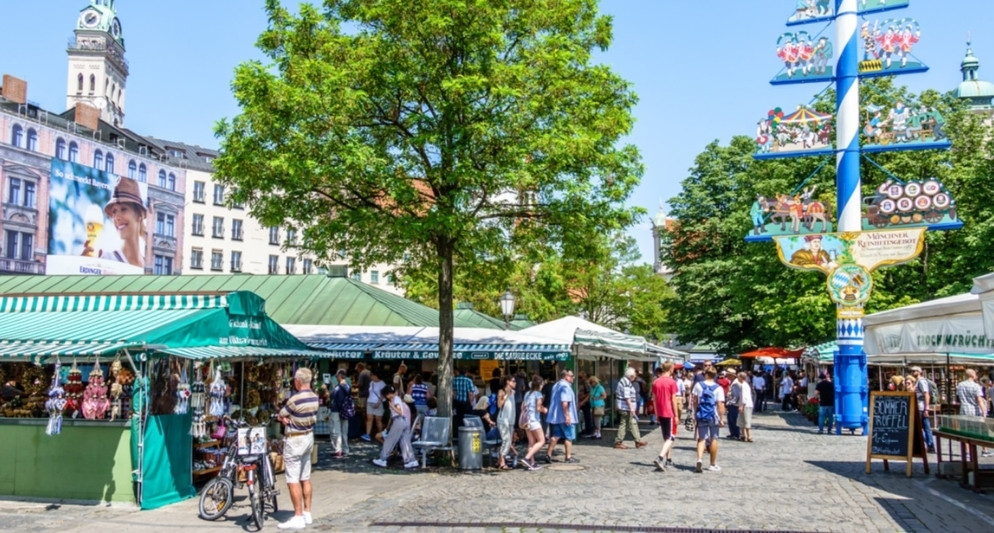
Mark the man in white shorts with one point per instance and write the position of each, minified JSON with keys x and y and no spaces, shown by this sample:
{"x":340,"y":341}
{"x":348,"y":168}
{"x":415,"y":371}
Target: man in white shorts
{"x":299,"y":416}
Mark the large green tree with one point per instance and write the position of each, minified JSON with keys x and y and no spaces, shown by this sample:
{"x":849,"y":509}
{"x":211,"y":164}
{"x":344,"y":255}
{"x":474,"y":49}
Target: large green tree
{"x":452,"y":132}
{"x":738,"y":294}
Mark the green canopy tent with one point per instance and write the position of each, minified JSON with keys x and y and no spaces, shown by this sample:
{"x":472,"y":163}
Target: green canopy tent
{"x":233,"y":326}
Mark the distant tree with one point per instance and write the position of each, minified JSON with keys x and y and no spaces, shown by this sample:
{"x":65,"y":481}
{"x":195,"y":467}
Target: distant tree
{"x":455,"y":133}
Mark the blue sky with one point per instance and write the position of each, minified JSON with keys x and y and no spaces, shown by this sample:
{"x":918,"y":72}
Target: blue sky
{"x":701,"y":69}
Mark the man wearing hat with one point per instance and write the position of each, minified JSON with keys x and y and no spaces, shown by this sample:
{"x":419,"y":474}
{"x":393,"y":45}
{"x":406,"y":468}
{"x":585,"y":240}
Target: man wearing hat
{"x":924,"y":397}
{"x":811,"y":254}
{"x":126,"y":209}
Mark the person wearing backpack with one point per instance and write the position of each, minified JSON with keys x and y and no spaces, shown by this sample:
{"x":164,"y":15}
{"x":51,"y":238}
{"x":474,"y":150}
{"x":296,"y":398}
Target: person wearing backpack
{"x":709,"y":414}
{"x":926,"y":393}
{"x":341,"y":404}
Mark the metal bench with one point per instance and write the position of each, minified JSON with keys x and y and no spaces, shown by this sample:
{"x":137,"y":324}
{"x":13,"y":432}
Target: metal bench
{"x":435,"y":436}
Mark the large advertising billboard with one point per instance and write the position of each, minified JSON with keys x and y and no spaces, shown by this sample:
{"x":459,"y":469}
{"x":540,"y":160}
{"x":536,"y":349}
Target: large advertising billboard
{"x":97,"y":222}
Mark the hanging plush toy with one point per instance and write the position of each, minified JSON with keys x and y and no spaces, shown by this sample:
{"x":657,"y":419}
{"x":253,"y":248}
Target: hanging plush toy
{"x":217,"y":391}
{"x":55,"y":404}
{"x":198,"y":402}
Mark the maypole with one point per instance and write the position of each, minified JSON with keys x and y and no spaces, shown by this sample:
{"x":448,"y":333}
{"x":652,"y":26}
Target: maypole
{"x":891,"y":231}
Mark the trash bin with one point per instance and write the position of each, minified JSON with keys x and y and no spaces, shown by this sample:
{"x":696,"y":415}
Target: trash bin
{"x":470,"y":448}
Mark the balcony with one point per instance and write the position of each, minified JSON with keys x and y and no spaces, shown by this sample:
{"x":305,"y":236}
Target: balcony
{"x":19,"y":266}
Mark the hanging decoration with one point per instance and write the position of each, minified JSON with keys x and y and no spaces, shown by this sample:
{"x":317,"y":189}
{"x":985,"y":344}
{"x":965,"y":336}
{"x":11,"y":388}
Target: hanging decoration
{"x":183,"y":390}
{"x":198,"y":402}
{"x":95,"y":401}
{"x":74,"y":391}
{"x":217,"y":392}
{"x":116,"y":388}
{"x":55,"y":404}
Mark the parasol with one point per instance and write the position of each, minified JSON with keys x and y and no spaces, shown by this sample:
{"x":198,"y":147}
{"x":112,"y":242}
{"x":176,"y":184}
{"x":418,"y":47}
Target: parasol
{"x":804,"y":114}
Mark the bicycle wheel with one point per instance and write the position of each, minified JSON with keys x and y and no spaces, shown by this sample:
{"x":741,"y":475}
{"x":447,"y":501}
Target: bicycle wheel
{"x":269,"y":482}
{"x":255,"y":500}
{"x":216,"y":498}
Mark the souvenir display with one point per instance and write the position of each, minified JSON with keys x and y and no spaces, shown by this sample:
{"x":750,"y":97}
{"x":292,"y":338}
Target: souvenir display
{"x":116,"y":389}
{"x":55,"y":404}
{"x":217,"y":392}
{"x":74,"y":391}
{"x":95,"y":401}
{"x":198,"y":402}
{"x":182,"y":392}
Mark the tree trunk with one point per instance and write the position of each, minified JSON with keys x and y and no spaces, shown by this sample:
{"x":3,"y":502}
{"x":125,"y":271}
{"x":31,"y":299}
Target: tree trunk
{"x":446,"y":321}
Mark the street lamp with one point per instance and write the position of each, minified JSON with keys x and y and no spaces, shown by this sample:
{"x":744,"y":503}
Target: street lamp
{"x":507,"y":307}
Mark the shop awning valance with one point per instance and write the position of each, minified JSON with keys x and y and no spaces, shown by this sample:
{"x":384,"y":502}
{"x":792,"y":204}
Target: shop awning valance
{"x":41,"y":327}
{"x":239,"y":352}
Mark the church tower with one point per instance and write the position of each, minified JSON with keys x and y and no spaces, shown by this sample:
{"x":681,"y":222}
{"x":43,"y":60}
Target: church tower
{"x":97,"y":68}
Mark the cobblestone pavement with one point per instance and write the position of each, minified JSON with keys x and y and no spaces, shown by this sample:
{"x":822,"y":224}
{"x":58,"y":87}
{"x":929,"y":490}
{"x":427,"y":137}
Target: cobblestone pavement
{"x":789,"y":479}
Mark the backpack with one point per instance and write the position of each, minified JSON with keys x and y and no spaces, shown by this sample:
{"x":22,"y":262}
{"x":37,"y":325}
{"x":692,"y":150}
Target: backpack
{"x":347,"y":409}
{"x":933,"y":391}
{"x":706,"y":405}
{"x":493,"y":404}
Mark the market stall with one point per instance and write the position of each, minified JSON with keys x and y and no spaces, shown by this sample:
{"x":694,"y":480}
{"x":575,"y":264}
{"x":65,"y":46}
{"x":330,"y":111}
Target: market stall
{"x":124,"y":435}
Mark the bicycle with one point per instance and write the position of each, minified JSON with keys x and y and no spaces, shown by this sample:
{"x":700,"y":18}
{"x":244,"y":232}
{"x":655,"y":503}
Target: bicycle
{"x":217,"y":496}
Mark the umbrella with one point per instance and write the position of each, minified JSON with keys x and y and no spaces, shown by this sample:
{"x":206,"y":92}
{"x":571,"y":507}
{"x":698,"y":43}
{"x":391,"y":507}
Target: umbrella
{"x":772,"y":351}
{"x":779,"y":361}
{"x":730,"y":362}
{"x":803,"y":114}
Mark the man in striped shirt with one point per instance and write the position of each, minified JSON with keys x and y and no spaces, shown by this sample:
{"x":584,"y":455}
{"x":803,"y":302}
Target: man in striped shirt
{"x":299,"y":416}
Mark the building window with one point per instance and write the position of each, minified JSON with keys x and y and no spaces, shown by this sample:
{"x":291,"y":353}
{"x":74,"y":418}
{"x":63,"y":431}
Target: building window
{"x":98,"y":160}
{"x":162,"y":179}
{"x":236,"y":229}
{"x":79,"y":83}
{"x":274,"y":235}
{"x":238,"y":205}
{"x":165,"y":225}
{"x":236,"y":261}
{"x":217,"y":230}
{"x":93,"y":83}
{"x":13,"y":191}
{"x":60,"y":148}
{"x":29,"y":194}
{"x":374,"y":276}
{"x":73,"y":152}
{"x":356,"y":275}
{"x":198,"y":192}
{"x":291,"y":265}
{"x":197,"y":259}
{"x":291,"y":236}
{"x":32,"y":140}
{"x":217,"y":260}
{"x":218,"y":194}
{"x":308,"y":266}
{"x":109,"y":163}
{"x":171,"y":182}
{"x":274,"y":264}
{"x":198,"y":225}
{"x":19,"y":245}
{"x":142,"y":173}
{"x":132,"y":169}
{"x":163,"y":266}
{"x":17,"y":135}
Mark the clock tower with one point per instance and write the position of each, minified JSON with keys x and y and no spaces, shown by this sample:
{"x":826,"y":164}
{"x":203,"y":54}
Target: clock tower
{"x":97,"y":68}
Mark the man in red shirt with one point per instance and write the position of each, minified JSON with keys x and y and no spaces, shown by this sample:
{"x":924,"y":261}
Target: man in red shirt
{"x":664,"y":394}
{"x":724,"y":382}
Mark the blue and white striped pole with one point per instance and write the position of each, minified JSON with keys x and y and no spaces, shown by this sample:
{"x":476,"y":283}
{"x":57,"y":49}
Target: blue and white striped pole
{"x":850,"y":363}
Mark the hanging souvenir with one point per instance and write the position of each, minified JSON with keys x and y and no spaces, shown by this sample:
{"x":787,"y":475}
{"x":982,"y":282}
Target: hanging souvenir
{"x":217,"y":391}
{"x":74,"y":391}
{"x":55,"y":404}
{"x":198,"y":402}
{"x":182,"y":391}
{"x":116,"y":388}
{"x":95,"y":401}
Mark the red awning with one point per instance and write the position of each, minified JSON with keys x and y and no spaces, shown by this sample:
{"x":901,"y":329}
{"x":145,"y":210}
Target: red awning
{"x":773,"y":351}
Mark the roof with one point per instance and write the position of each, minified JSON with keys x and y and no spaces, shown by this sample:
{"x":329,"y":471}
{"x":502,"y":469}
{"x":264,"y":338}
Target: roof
{"x":307,"y":299}
{"x":590,"y":339}
{"x":232,"y":325}
{"x":466,"y":313}
{"x":194,"y":157}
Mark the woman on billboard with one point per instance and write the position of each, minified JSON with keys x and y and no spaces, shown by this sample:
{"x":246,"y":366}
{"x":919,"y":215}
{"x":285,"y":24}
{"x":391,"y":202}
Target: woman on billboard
{"x":127,"y":213}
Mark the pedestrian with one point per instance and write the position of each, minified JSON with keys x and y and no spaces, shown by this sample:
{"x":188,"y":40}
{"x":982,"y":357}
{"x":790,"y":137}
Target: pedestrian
{"x":298,"y":417}
{"x":825,"y":392}
{"x":664,"y":394}
{"x":363,"y":384}
{"x":732,"y":404}
{"x":533,"y":405}
{"x":398,"y":433}
{"x":339,"y":424}
{"x":627,"y":405}
{"x":495,"y":381}
{"x":420,"y":392}
{"x":583,"y":401}
{"x":925,"y":401}
{"x":506,"y":422}
{"x":374,"y":406}
{"x":709,"y":413}
{"x":597,"y":406}
{"x":399,"y":379}
{"x":759,"y":385}
{"x":971,"y":400}
{"x":547,"y":401}
{"x":642,"y":389}
{"x":786,"y":391}
{"x":463,"y":396}
{"x":562,"y":416}
{"x":745,"y":405}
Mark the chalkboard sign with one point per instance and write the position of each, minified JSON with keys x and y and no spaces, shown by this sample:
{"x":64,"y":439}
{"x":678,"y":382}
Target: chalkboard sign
{"x":893,"y":426}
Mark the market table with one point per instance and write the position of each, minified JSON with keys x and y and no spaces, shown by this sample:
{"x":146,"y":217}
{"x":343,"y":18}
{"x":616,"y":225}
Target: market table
{"x":983,"y":480}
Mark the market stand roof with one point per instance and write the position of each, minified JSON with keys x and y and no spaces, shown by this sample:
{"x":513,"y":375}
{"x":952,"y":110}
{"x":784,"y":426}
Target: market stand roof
{"x":592,"y":340}
{"x":306,"y":299}
{"x":195,"y":326}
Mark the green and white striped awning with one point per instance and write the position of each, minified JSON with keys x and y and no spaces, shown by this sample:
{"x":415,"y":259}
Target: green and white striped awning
{"x":110,"y":302}
{"x":239,"y":352}
{"x":32,"y":351}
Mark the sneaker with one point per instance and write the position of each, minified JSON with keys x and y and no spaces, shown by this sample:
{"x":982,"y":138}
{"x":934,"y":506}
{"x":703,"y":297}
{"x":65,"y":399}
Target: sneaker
{"x":986,"y":454}
{"x":548,"y":460}
{"x":533,"y":466}
{"x":669,"y":462}
{"x":297,"y":522}
{"x":820,"y":432}
{"x":366,"y":438}
{"x":514,"y":462}
{"x":380,"y":463}
{"x":571,"y":460}
{"x":660,"y":464}
{"x":308,"y":519}
{"x":931,"y":449}
{"x":412,"y":464}
{"x":700,"y":467}
{"x":714,"y":468}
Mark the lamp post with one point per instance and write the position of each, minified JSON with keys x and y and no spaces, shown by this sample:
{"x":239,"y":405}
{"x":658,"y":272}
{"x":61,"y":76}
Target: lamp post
{"x":507,"y":307}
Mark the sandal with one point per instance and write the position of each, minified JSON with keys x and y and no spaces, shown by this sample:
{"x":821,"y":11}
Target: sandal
{"x":748,"y":440}
{"x":503,"y":467}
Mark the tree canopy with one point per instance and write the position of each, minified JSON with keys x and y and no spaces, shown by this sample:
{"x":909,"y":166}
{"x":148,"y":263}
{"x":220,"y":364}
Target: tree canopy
{"x":739,"y":296}
{"x":452,"y":133}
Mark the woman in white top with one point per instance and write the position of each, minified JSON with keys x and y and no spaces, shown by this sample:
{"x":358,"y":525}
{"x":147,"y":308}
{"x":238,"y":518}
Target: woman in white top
{"x":505,"y":421}
{"x":533,"y":409}
{"x":786,"y":392}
